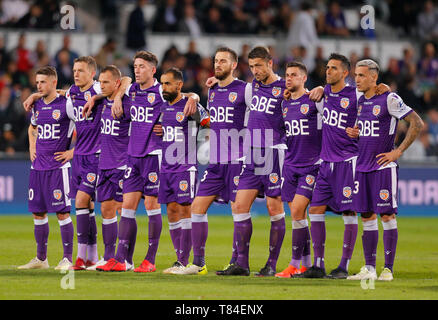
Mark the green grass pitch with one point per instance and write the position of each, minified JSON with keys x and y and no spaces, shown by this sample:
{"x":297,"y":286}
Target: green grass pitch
{"x":416,"y":266}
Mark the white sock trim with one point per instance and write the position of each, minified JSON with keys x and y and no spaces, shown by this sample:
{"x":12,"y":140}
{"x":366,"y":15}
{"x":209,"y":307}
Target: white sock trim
{"x":277,"y":217}
{"x":174,"y":225}
{"x":40,"y":222}
{"x":370,"y":225}
{"x":317,"y":217}
{"x":199,"y":217}
{"x":128,"y":213}
{"x":153,"y":212}
{"x":390,"y":225}
{"x":300,"y":224}
{"x":64,"y":222}
{"x":82,"y":211}
{"x":109,"y":221}
{"x":350,"y":219}
{"x":186,"y":223}
{"x":237,"y":217}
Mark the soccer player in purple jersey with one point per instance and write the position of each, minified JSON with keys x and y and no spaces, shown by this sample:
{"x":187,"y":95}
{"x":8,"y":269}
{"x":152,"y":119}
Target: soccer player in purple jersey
{"x":50,"y":133}
{"x":228,"y":103}
{"x":114,"y":137}
{"x":303,"y":122}
{"x":261,"y":173}
{"x":335,"y":181}
{"x":376,"y":170}
{"x":141,"y":177}
{"x":179,"y":167}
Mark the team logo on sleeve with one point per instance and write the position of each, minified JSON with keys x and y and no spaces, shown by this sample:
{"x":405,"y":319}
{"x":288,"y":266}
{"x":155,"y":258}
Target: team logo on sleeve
{"x":236,"y":180}
{"x":273,"y":177}
{"x":35,"y":116}
{"x":57,"y":194}
{"x":121,"y":184}
{"x":153,"y":177}
{"x":91,"y":177}
{"x":232,"y":97}
{"x":87,"y":95}
{"x":376,"y":110}
{"x":211,"y":96}
{"x":276,"y":91}
{"x":346,"y":192}
{"x":304,"y":108}
{"x":284,"y":112}
{"x":56,"y":114}
{"x":183,"y":185}
{"x":151,"y":97}
{"x":359,"y":110}
{"x":310,"y":180}
{"x":345,"y":102}
{"x":179,"y":116}
{"x":133,"y":96}
{"x":384,"y":194}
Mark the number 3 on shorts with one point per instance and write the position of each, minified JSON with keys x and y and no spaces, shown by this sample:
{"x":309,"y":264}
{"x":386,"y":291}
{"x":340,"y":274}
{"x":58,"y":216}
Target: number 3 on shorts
{"x":204,"y":176}
{"x":356,"y":187}
{"x":128,"y":172}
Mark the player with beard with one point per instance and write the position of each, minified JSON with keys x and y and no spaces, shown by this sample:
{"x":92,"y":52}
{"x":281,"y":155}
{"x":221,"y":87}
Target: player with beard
{"x":179,"y":165}
{"x":228,"y":102}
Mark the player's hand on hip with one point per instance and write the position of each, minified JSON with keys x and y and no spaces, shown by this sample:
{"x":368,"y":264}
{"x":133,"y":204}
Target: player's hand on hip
{"x":383,"y":159}
{"x":64,"y":156}
{"x":158,"y":130}
{"x":316,"y":94}
{"x":353,"y":132}
{"x":211,"y":82}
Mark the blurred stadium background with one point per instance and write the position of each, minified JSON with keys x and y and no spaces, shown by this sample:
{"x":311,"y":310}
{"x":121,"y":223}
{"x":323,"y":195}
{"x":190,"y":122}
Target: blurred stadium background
{"x":186,"y":33}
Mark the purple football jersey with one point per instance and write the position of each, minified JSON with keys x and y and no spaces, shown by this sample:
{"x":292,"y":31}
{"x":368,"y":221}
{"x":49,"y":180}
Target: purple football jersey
{"x":55,"y":128}
{"x":303,"y":131}
{"x":227,"y":106}
{"x":265,"y":122}
{"x":114,"y":136}
{"x":339,"y":113}
{"x":179,"y":139}
{"x":87,"y":128}
{"x":145,"y":111}
{"x":377,"y":120}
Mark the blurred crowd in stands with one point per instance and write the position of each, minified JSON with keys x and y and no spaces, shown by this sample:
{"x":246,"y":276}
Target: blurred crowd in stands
{"x":414,"y":77}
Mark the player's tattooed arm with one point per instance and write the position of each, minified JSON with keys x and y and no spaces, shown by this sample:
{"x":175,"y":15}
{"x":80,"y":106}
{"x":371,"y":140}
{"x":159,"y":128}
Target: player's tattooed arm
{"x":415,"y":126}
{"x":32,"y":133}
{"x":28,"y":103}
{"x":64,"y":156}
